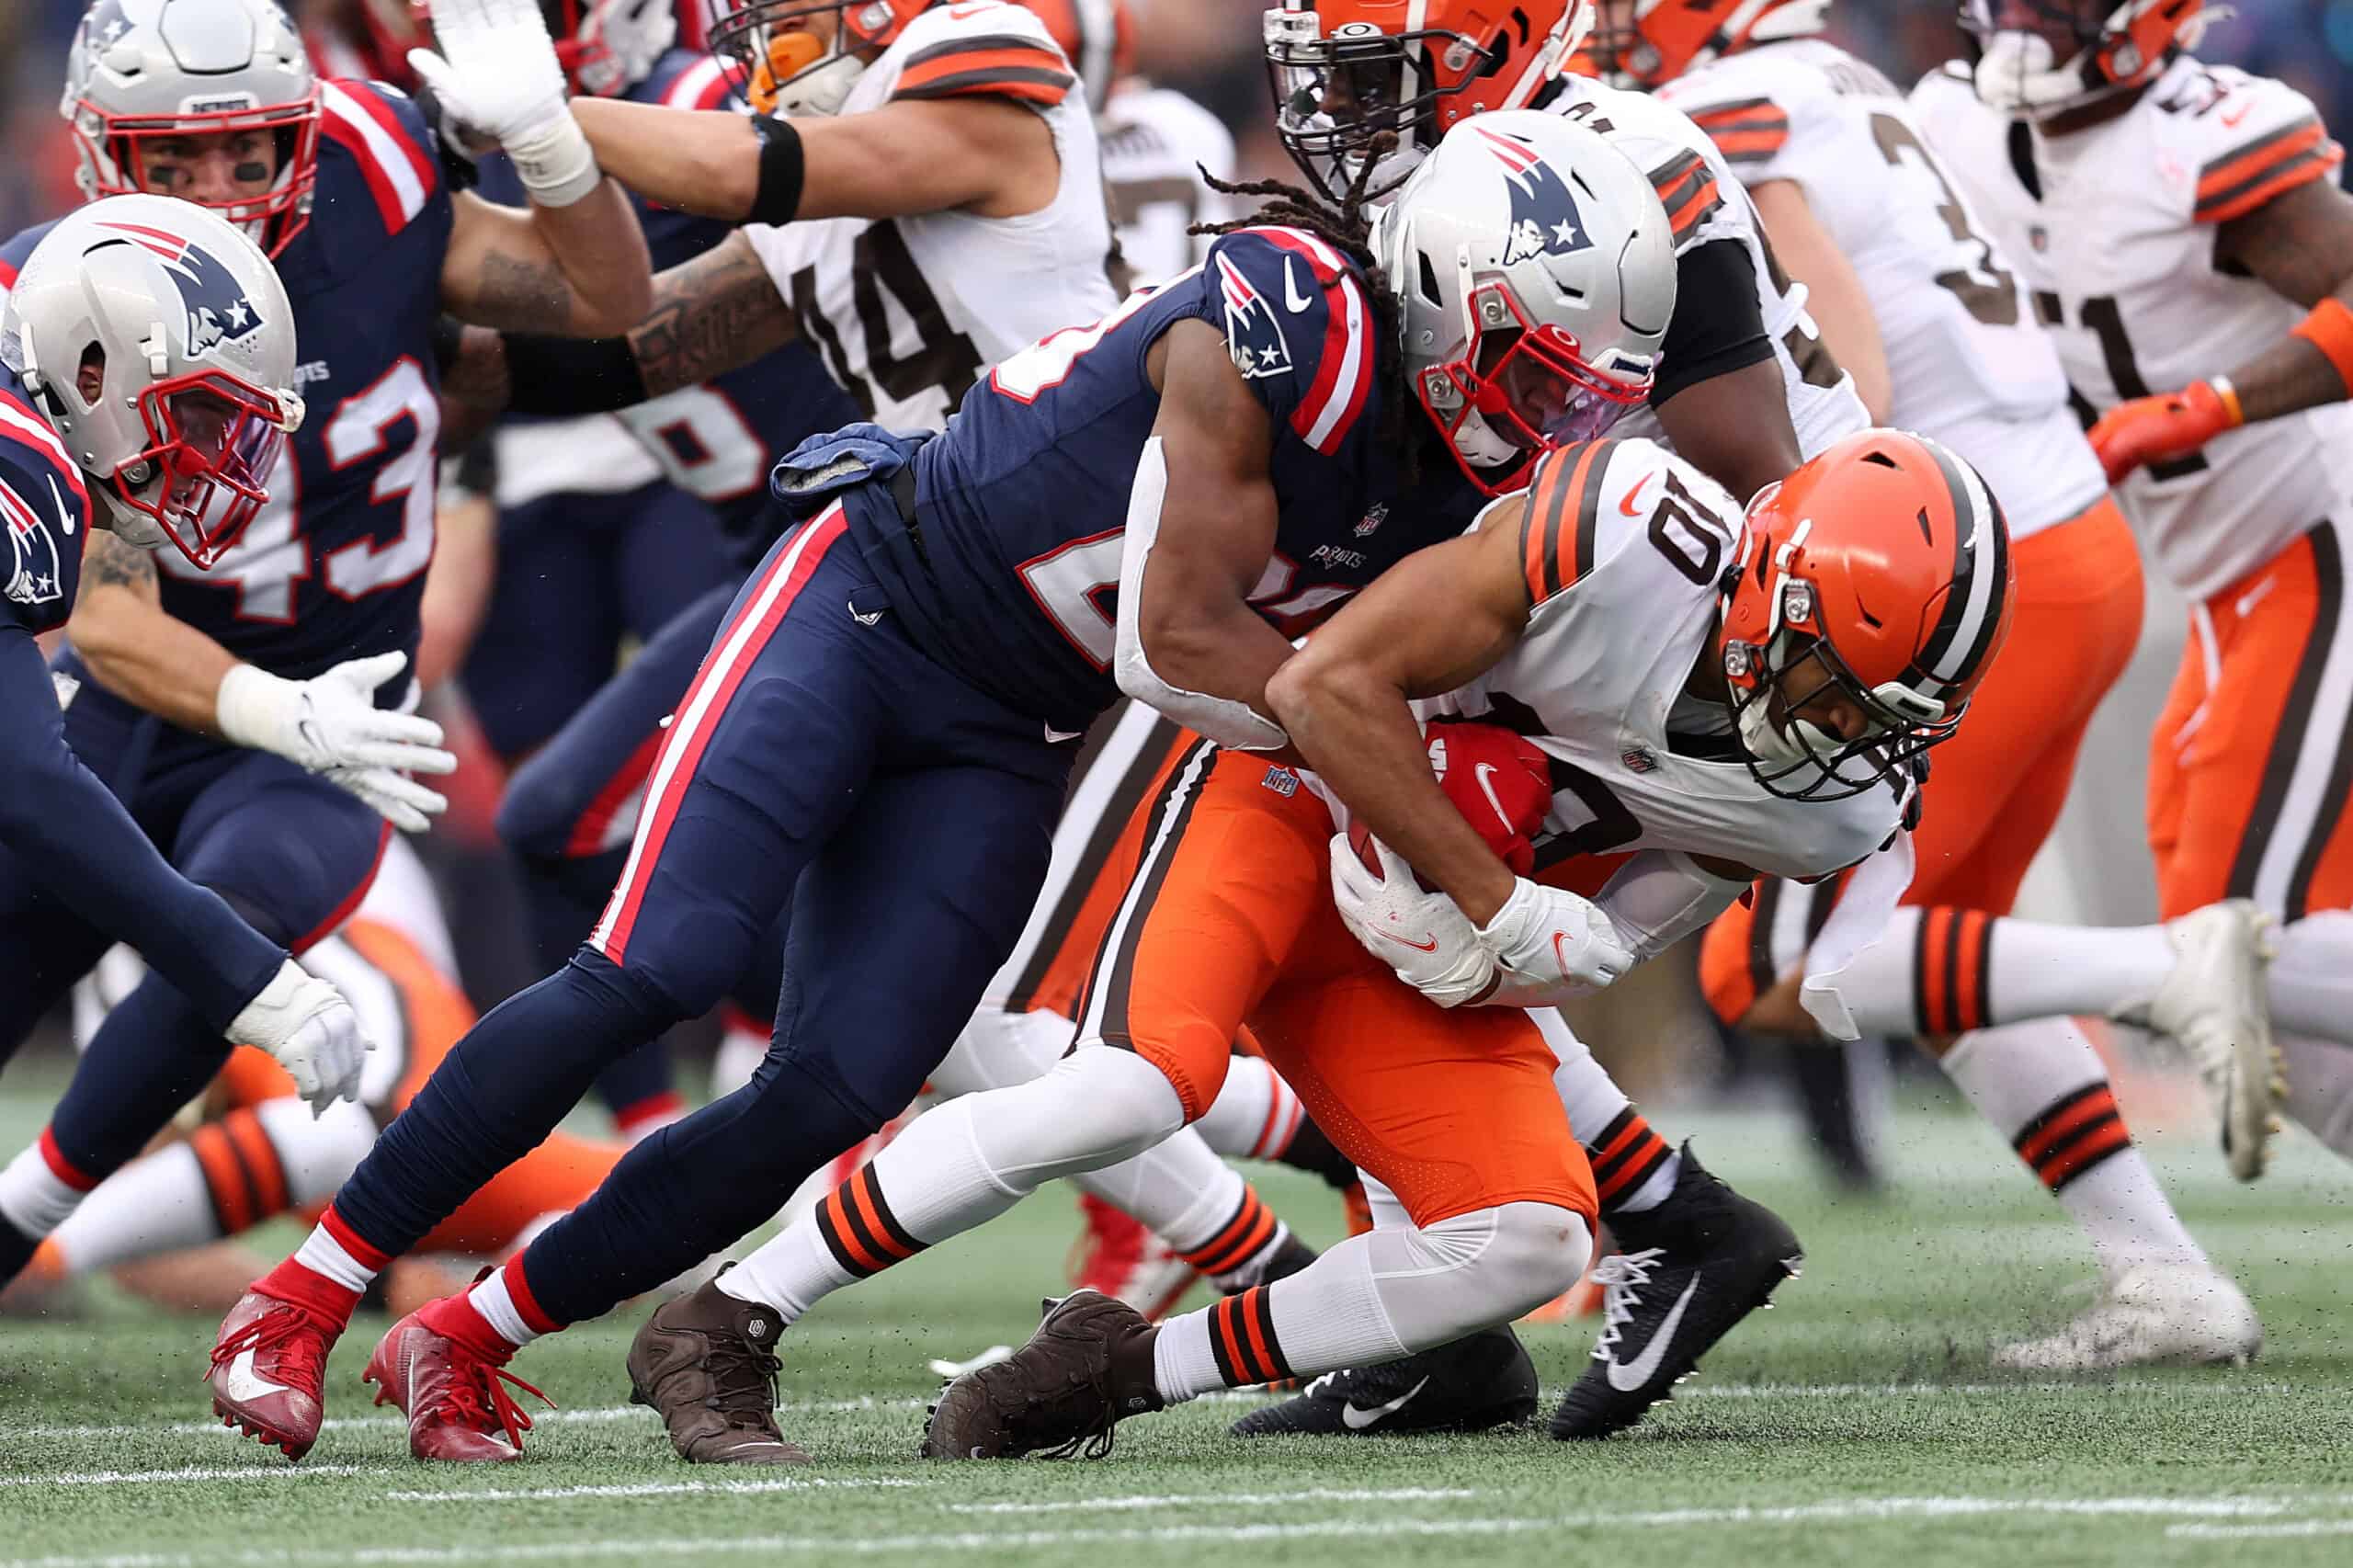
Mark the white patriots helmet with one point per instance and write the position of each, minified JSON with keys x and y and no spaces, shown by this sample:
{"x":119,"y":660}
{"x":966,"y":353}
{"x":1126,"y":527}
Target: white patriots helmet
{"x":157,"y":341}
{"x":140,"y":70}
{"x":1535,"y":269}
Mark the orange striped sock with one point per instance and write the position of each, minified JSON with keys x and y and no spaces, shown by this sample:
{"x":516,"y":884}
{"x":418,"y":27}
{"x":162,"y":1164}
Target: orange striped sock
{"x":1625,"y":1155}
{"x":2073,"y":1134}
{"x":1242,"y":1337}
{"x":1952,"y":955}
{"x":1247,"y":1231}
{"x":860,"y":1231}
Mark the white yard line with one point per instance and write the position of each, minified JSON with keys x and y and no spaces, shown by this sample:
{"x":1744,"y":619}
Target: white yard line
{"x":147,"y":1477}
{"x":2301,"y":1527}
{"x":1227,"y":1499}
{"x":651,"y":1489}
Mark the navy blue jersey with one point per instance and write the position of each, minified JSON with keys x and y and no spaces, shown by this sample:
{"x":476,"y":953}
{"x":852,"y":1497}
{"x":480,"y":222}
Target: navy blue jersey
{"x":45,"y":508}
{"x":332,"y":568}
{"x":717,"y":440}
{"x":1012,"y":574}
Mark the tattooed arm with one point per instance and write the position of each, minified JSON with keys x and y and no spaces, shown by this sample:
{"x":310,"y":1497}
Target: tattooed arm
{"x":576,"y":271}
{"x":137,"y":649}
{"x":2300,"y":243}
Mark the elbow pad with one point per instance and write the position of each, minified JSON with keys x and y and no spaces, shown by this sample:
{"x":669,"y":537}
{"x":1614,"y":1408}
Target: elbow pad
{"x":1660,"y":897}
{"x":1234,"y":725}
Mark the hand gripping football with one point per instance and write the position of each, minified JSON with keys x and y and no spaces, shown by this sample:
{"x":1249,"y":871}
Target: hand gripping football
{"x":1500,"y":783}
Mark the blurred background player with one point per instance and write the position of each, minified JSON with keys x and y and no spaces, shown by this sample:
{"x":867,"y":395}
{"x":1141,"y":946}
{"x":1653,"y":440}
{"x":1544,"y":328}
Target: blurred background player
{"x":245,"y":708}
{"x":1919,"y":306}
{"x":156,"y":339}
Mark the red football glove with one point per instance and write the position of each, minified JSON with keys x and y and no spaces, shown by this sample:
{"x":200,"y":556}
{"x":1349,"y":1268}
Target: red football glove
{"x":1500,"y":783}
{"x":2156,"y":429}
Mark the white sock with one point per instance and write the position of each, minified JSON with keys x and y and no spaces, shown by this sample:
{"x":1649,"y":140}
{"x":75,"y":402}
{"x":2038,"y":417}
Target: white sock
{"x":323,"y":1256}
{"x":2320,"y":1087}
{"x":37,"y":1190}
{"x":1198,"y":1204}
{"x":959,"y":1165}
{"x":1633,"y":1167}
{"x":2045,"y":1088}
{"x":490,"y":1298}
{"x":2311,"y":977}
{"x":1377,"y":1297}
{"x":1256,"y":1116}
{"x":1939,"y":971}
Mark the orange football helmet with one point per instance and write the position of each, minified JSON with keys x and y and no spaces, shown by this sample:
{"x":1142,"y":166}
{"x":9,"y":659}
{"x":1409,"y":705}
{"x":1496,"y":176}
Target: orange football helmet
{"x":1643,"y":43}
{"x":1344,"y":72}
{"x":2020,"y":67}
{"x":1097,"y":37}
{"x":1882,"y":571}
{"x":782,"y":67}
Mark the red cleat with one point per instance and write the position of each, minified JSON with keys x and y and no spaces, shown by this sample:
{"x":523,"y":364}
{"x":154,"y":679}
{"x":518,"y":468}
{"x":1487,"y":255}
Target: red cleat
{"x":458,"y":1407}
{"x":268,"y":1365}
{"x":1118,"y":1256}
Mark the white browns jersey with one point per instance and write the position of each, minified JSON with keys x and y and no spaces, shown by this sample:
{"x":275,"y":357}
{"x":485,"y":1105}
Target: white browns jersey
{"x":1705,"y":202}
{"x":2112,"y":230}
{"x":1969,"y":362}
{"x":1155,"y":144}
{"x":1623,"y":544}
{"x":909,"y":312}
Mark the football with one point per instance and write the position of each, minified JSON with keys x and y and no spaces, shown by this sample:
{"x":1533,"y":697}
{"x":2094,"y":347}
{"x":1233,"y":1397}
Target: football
{"x":1499,"y":781}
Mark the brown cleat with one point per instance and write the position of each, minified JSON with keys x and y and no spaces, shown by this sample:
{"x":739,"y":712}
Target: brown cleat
{"x":706,"y":1362}
{"x":1088,"y":1366}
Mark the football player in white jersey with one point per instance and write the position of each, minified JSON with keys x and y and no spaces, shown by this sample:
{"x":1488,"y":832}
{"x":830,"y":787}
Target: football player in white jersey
{"x":1923,"y":308}
{"x":921,"y":194}
{"x":2178,"y":227}
{"x":1763,"y":722}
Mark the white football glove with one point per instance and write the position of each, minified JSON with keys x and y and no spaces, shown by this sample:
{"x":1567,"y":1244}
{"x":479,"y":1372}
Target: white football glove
{"x":311,"y":1030}
{"x":497,"y":78}
{"x":331,"y":724}
{"x":1428,"y":941}
{"x":1551,"y":945}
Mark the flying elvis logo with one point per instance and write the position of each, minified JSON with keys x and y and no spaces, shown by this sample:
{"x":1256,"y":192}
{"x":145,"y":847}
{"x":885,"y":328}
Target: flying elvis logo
{"x":1253,"y":336}
{"x":218,"y":311}
{"x":1544,"y":217}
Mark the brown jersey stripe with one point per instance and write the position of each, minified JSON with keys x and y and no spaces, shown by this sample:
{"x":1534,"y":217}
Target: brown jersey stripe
{"x":1750,"y":146}
{"x":2251,"y":157}
{"x":2295,"y":721}
{"x":2295,"y":154}
{"x":2303,"y":168}
{"x":1539,"y":526}
{"x":1687,"y":188}
{"x":1115,"y":964}
{"x":2329,"y":569}
{"x":1014,"y":67}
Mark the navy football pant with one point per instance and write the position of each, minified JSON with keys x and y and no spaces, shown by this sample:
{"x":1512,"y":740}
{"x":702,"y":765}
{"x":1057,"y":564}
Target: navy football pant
{"x":286,"y":849}
{"x":819,"y":760}
{"x":576,"y":575}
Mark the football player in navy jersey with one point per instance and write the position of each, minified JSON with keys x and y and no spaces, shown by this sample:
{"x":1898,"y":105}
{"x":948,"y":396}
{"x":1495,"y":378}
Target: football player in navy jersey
{"x":1155,"y":503}
{"x":598,"y":538}
{"x":247,"y":715}
{"x":146,"y":364}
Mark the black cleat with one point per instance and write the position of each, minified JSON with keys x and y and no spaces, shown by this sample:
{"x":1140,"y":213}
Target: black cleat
{"x":1687,"y":1271}
{"x":1475,"y":1383}
{"x":1089,"y":1365}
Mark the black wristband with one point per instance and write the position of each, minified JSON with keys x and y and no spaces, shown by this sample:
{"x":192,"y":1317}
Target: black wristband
{"x":571,"y":375}
{"x":781,"y":171}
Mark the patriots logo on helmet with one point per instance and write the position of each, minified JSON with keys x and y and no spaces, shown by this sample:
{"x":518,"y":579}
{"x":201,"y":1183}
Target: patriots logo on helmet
{"x":1544,"y":216}
{"x":218,"y":310}
{"x":1252,"y":334}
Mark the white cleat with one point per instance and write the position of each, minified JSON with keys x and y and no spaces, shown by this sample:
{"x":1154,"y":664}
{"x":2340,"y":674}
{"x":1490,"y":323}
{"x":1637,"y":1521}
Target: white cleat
{"x":2214,"y":1004}
{"x":2148,"y":1316}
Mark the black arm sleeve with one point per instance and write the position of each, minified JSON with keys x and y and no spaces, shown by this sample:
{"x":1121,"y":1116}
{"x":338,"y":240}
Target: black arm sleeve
{"x":85,"y":851}
{"x":1719,"y":324}
{"x":571,"y":375}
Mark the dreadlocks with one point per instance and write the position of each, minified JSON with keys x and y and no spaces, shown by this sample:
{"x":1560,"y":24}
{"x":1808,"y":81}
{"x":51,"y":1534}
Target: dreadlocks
{"x":1346,"y":230}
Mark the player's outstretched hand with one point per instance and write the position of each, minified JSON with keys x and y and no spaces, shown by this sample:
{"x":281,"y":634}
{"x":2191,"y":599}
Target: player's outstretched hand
{"x":1430,"y":943}
{"x":2158,"y":429}
{"x":1551,"y":945}
{"x":311,"y":1030}
{"x":497,"y":77}
{"x":331,"y":724}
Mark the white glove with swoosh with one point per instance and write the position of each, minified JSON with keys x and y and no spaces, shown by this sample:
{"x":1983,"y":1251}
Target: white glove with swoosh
{"x":1430,"y":942}
{"x":331,"y":724}
{"x":497,"y":76}
{"x":1551,"y":945}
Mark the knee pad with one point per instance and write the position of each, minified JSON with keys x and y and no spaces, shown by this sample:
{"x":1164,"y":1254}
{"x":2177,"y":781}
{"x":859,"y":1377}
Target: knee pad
{"x":997,"y":1049}
{"x":1094,"y":1108}
{"x":1513,"y":1258}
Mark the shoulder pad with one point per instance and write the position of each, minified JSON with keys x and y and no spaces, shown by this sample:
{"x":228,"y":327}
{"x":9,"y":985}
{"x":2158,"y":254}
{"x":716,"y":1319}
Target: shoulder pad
{"x":386,"y":134}
{"x":983,"y":49}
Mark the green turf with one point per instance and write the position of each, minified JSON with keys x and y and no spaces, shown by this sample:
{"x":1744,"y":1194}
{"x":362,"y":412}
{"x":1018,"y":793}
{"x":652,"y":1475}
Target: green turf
{"x":1857,"y":1422}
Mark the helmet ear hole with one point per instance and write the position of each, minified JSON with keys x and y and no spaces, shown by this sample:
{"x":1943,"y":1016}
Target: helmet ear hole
{"x":1427,"y":281}
{"x":90,"y":373}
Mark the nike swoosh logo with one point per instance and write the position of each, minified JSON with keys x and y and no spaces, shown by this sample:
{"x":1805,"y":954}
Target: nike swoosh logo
{"x":1628,"y":1376}
{"x":239,"y":1381}
{"x":1627,"y":507}
{"x":2233,"y":119}
{"x":1357,"y":1420}
{"x":1293,"y":301}
{"x":1429,"y":947}
{"x":1482,"y":773}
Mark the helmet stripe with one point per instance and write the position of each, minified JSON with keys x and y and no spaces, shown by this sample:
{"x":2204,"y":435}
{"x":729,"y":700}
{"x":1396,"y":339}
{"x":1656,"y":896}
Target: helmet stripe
{"x":1981,"y":575}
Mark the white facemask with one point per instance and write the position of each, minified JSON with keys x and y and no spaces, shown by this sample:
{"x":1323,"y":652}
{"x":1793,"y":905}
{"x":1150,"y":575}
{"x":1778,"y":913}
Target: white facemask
{"x":2017,"y":75}
{"x":1778,"y":746}
{"x":821,"y":89}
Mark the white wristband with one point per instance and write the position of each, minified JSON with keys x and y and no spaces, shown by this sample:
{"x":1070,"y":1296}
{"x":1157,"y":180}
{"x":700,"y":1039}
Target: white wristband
{"x":250,"y":706}
{"x":555,"y":162}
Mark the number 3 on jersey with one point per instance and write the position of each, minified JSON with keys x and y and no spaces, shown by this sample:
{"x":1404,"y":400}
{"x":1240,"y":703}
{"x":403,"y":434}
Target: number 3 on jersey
{"x":272,"y":557}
